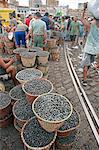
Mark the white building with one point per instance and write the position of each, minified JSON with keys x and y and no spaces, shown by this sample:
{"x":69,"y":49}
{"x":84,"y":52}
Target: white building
{"x":35,"y":3}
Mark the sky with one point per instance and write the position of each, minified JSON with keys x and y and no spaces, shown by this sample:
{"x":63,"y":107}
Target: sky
{"x":71,"y":3}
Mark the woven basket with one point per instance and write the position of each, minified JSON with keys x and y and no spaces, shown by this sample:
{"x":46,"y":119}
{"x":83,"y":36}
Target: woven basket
{"x":55,"y":54}
{"x":24,"y":81}
{"x":18,"y":51}
{"x":31,"y":97}
{"x":65,"y":145}
{"x":51,"y":43}
{"x":19,"y":121}
{"x":66,"y":133}
{"x":27,"y":147}
{"x":42,"y":58}
{"x":28,"y":62}
{"x":43,"y":68}
{"x":50,"y":126}
{"x":13,"y":99}
{"x":5,"y":110}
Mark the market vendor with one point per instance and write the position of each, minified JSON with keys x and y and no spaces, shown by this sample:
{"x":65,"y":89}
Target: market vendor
{"x":6,"y":67}
{"x":38,"y":31}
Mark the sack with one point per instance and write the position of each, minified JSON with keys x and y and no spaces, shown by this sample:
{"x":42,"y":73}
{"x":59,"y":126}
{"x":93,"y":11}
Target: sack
{"x":10,"y":35}
{"x":93,"y":7}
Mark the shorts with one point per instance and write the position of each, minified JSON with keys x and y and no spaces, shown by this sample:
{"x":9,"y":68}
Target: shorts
{"x":38,"y":41}
{"x":73,"y":37}
{"x":88,"y":59}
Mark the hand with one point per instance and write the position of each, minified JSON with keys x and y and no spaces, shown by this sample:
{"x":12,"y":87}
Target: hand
{"x":27,"y":37}
{"x":45,"y":42}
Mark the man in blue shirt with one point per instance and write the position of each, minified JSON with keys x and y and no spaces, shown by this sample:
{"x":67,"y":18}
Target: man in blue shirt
{"x":46,"y":19}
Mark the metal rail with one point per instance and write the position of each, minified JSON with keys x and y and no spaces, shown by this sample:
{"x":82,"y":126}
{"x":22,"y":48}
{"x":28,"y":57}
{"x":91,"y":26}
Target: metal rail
{"x":82,"y":96}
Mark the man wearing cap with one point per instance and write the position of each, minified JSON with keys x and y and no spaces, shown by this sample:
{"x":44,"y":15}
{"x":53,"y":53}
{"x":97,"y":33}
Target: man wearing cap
{"x":38,"y":31}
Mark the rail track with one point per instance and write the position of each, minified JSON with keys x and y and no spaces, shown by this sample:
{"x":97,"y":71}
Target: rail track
{"x":89,"y":111}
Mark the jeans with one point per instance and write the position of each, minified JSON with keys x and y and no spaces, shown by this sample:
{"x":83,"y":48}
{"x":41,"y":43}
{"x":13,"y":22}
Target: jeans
{"x":20,"y":38}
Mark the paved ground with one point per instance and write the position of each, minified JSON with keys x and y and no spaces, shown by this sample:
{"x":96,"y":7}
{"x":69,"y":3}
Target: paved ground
{"x":92,"y":89}
{"x":59,"y":75}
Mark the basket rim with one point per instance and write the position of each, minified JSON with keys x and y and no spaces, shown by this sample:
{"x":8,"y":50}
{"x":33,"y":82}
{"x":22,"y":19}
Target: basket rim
{"x":73,"y":128}
{"x":37,"y":79}
{"x":15,"y":50}
{"x":9,"y":101}
{"x":39,"y":48}
{"x":11,"y":91}
{"x":47,"y":121}
{"x":34,"y":55}
{"x":36,"y":148}
{"x":51,"y":39}
{"x":66,"y":145}
{"x":28,"y":69}
{"x":15,"y":114}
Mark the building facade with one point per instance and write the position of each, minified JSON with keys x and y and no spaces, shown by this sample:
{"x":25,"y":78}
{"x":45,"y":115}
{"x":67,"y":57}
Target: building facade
{"x":35,"y":3}
{"x":13,"y":3}
{"x":52,"y":3}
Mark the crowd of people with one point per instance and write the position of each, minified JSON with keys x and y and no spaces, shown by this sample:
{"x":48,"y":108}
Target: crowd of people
{"x":70,"y":28}
{"x":36,"y":29}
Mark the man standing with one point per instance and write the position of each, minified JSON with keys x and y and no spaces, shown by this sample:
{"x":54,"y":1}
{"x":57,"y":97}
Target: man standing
{"x":46,"y":19}
{"x":91,"y":48}
{"x":38,"y":31}
{"x":28,"y":19}
{"x":74,"y":32}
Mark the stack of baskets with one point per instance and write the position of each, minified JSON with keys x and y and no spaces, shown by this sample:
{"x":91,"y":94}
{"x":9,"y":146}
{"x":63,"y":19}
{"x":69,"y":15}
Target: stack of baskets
{"x":53,"y":49}
{"x":42,"y":63}
{"x":51,"y":113}
{"x":43,"y":119}
{"x":22,"y":99}
{"x":33,"y":58}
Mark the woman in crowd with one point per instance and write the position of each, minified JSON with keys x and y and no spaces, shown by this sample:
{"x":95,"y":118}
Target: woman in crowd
{"x":20,"y":34}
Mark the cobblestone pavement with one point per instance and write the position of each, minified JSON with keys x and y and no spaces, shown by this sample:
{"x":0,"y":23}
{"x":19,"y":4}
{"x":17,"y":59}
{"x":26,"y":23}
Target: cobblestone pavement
{"x":59,"y":76}
{"x":92,"y":89}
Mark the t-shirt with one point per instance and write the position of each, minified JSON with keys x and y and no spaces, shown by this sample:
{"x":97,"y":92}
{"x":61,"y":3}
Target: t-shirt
{"x":27,"y":22}
{"x":92,"y":43}
{"x":74,"y":26}
{"x":64,"y":25}
{"x":38,"y":27}
{"x":13,"y":22}
{"x":21,"y":27}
